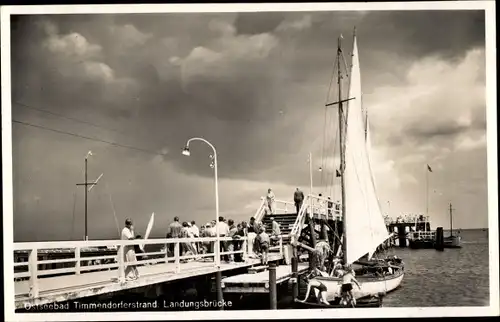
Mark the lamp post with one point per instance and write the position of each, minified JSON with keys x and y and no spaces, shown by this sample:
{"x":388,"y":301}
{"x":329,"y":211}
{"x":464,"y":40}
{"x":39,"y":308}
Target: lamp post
{"x":186,"y":152}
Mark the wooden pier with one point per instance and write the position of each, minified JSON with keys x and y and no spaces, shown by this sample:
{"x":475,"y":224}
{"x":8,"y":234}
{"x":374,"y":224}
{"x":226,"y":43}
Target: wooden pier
{"x":40,"y":284}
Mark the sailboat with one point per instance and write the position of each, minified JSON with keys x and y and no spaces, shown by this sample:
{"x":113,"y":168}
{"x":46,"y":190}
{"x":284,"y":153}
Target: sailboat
{"x":364,"y":228}
{"x":452,"y":241}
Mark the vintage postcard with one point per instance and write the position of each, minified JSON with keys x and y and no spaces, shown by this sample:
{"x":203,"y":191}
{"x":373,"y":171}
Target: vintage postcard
{"x":249,"y":161}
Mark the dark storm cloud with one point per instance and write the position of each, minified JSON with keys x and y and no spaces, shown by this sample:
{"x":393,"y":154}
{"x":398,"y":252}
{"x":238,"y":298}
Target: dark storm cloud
{"x":256,"y":23}
{"x":253,"y":84}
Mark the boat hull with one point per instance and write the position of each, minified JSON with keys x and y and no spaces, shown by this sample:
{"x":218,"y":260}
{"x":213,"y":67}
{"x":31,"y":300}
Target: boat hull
{"x":419,"y":244}
{"x":362,"y":303}
{"x":369,"y":285}
{"x":453,"y":242}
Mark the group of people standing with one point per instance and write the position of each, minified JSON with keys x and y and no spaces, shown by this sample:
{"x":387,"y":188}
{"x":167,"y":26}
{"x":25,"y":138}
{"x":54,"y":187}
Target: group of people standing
{"x":259,"y":241}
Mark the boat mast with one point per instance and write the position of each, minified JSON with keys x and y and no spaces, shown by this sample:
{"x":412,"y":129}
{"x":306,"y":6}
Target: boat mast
{"x":451,"y":221}
{"x":342,"y":153}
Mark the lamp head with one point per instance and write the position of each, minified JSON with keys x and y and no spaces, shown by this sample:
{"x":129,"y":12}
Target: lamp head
{"x":320,"y":169}
{"x":186,"y":152}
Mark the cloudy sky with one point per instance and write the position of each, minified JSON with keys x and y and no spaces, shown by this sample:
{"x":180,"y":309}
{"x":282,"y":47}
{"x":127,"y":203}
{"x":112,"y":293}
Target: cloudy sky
{"x":255,"y":85}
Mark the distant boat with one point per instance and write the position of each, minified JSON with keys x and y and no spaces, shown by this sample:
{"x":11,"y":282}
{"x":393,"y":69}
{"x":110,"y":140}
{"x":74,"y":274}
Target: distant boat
{"x":452,"y":241}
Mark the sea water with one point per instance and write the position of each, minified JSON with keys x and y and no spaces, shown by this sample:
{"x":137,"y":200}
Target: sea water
{"x":453,"y":277}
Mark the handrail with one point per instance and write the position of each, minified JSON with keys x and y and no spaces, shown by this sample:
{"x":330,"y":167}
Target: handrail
{"x":296,"y":226}
{"x":260,"y":210}
{"x":259,"y":214}
{"x":36,"y":268}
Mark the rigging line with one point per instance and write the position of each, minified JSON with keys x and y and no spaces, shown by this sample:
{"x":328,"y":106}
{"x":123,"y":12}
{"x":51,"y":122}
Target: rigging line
{"x":113,"y":208}
{"x":326,"y":110}
{"x":88,"y":138}
{"x":73,"y":220}
{"x":66,"y":117}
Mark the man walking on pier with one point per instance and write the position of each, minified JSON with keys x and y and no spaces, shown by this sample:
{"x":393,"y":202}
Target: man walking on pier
{"x":174,"y":231}
{"x":298,"y":198}
{"x":131,"y":272}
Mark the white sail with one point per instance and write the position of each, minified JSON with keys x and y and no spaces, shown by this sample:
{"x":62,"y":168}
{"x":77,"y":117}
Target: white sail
{"x":365,"y":227}
{"x":148,"y":229}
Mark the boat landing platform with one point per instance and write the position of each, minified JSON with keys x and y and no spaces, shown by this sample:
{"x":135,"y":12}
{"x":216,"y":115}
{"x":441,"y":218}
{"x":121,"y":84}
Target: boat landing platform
{"x":257,"y":280}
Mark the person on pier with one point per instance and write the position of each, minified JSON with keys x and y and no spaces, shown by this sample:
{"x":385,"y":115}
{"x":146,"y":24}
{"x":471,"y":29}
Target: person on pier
{"x":196,"y":233}
{"x":298,"y":199}
{"x":174,"y":231}
{"x":252,"y":230}
{"x":276,"y":231}
{"x":232,"y":244}
{"x":131,"y":272}
{"x":270,"y":201}
{"x":223,"y":229}
{"x":263,"y":242}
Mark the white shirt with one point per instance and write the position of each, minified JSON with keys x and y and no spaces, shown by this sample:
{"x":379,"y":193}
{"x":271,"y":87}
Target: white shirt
{"x":127,"y":234}
{"x":223,"y":228}
{"x":211,"y":231}
{"x":195,"y":231}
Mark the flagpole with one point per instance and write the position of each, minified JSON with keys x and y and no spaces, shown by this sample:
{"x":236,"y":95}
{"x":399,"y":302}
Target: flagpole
{"x":427,"y":196}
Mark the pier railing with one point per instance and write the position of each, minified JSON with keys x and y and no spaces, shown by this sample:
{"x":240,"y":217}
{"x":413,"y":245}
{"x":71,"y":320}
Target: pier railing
{"x":323,"y":207}
{"x":33,"y":269}
{"x":425,"y":235}
{"x":279,"y":206}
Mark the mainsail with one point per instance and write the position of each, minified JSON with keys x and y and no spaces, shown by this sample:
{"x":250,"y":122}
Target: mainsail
{"x":365,"y":227}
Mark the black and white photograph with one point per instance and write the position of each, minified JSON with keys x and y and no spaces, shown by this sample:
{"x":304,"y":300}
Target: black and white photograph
{"x":250,"y":160}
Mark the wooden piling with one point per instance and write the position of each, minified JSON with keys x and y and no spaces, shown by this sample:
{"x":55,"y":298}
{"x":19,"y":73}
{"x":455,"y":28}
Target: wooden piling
{"x":402,"y":235}
{"x":439,"y":242}
{"x":295,"y":277}
{"x":218,"y":288}
{"x":273,"y":298}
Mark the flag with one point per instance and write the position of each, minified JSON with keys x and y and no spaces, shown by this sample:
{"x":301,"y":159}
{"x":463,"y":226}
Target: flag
{"x":338,"y":173}
{"x":429,"y":168}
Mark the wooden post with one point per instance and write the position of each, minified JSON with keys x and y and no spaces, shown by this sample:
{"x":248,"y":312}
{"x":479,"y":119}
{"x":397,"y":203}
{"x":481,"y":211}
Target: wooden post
{"x":402,"y":235}
{"x":177,"y":257}
{"x":33,"y":268}
{"x":324,"y":232}
{"x":121,"y":263}
{"x":273,"y":298}
{"x":244,"y":248}
{"x":77,"y":258}
{"x":218,"y":288}
{"x":439,"y":242}
{"x":281,"y":246}
{"x":295,"y":276}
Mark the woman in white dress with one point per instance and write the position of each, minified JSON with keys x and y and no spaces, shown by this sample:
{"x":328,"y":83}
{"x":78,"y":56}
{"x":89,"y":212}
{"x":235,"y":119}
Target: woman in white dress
{"x":131,"y":272}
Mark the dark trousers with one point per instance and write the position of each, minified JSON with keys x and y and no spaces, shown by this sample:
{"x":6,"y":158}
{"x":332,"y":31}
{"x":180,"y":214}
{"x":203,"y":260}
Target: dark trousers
{"x":223,"y":248}
{"x":298,"y":205}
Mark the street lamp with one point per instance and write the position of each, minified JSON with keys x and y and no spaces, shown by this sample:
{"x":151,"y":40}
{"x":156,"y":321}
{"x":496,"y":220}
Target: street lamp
{"x":186,"y":152}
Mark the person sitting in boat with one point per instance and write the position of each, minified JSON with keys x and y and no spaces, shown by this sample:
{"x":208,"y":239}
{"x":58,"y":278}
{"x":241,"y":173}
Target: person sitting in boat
{"x":337,"y":270}
{"x":347,"y":281}
{"x":314,"y":284}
